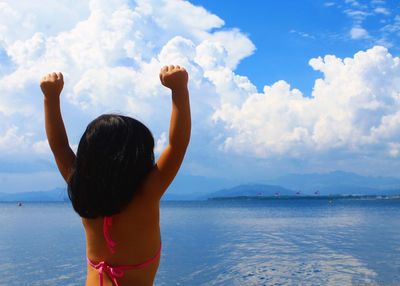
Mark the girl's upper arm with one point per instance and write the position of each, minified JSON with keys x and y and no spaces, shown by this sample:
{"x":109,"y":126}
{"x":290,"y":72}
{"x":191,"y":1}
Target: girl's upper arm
{"x":164,"y":172}
{"x":65,"y":159}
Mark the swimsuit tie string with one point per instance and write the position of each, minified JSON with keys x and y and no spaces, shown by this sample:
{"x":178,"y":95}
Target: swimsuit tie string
{"x":107,"y":222}
{"x":112,"y":272}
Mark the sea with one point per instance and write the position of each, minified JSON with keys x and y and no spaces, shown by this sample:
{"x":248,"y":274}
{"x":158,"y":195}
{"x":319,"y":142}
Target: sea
{"x":221,"y":242}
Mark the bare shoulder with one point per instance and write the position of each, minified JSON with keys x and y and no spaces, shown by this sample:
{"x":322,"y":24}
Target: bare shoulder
{"x":142,"y":203}
{"x":150,"y":186}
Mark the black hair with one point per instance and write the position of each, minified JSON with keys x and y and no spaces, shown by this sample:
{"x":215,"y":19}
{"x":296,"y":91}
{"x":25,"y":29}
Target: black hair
{"x":114,"y":154}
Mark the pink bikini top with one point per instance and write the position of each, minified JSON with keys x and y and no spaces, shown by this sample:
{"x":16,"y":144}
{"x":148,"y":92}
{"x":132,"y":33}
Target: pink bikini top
{"x":114,"y":272}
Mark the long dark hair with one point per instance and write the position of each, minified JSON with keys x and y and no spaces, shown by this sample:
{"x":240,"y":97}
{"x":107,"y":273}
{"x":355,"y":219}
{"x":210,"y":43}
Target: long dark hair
{"x":114,"y":155}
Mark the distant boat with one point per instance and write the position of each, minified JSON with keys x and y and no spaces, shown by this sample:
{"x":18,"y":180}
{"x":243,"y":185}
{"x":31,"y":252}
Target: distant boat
{"x":298,"y":193}
{"x":316,"y":193}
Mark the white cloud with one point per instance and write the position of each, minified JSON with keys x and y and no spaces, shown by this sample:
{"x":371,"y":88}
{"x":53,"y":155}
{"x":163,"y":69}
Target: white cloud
{"x":358,"y":16}
{"x":11,"y":137}
{"x":383,"y":24}
{"x":378,"y":2}
{"x":29,"y":18}
{"x":382,"y":10}
{"x":352,"y":2}
{"x":329,"y":4}
{"x":354,"y":107}
{"x":392,"y":28}
{"x":110,"y":53}
{"x":302,"y":34}
{"x":14,"y":142}
{"x":357,"y":33}
{"x":42,"y":147}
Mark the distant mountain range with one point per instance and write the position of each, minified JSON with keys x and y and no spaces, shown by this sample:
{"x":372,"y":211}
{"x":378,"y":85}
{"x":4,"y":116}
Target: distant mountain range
{"x":55,"y":195}
{"x":201,"y":188}
{"x":251,"y":190}
{"x":338,"y":183}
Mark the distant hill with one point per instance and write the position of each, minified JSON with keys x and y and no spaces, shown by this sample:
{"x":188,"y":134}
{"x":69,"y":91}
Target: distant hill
{"x":180,"y":197}
{"x":251,"y":190}
{"x":338,"y":183}
{"x":55,"y":195}
{"x":189,"y":185}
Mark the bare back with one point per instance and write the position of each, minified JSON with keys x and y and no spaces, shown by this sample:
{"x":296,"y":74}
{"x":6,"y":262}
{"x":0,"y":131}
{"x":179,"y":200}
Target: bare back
{"x":137,"y":234}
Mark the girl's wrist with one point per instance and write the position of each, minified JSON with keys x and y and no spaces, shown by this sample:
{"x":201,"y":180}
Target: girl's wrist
{"x":51,"y":99}
{"x":180,"y":89}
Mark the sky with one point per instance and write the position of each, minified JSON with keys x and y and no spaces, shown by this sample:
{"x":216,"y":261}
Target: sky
{"x":276,"y":87}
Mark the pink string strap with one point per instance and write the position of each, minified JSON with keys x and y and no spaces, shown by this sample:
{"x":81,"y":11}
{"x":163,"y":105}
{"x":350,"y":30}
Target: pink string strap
{"x":114,"y":272}
{"x":107,"y":222}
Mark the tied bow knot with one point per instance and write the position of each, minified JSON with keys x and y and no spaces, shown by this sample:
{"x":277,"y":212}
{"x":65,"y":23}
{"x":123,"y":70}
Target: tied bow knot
{"x":112,"y":272}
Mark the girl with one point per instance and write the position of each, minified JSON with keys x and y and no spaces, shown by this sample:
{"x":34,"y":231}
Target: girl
{"x":114,"y":184}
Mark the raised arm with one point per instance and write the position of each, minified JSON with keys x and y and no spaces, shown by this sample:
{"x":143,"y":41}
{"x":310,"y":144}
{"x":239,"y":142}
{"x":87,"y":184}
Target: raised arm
{"x":167,"y":166}
{"x":52,"y":85}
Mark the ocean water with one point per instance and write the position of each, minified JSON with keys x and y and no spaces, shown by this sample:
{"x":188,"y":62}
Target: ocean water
{"x":266,"y":242}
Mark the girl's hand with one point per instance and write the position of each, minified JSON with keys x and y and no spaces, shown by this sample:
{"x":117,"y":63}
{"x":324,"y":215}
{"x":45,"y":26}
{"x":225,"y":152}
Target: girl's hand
{"x":174,"y":77}
{"x":52,"y":84}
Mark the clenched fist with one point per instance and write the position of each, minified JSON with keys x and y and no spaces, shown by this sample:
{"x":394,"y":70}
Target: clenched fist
{"x":174,"y":77}
{"x":52,"y":84}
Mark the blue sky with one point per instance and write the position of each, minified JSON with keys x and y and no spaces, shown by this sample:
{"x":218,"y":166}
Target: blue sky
{"x":277,"y":87}
{"x":288,"y":34}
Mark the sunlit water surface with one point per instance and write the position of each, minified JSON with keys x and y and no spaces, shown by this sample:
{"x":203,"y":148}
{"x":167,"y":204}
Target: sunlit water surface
{"x":271,"y":242}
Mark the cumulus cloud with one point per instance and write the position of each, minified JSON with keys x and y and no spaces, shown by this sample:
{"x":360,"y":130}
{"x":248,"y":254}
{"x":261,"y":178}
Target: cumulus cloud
{"x":14,"y":142}
{"x":111,"y":53}
{"x":354,"y":107}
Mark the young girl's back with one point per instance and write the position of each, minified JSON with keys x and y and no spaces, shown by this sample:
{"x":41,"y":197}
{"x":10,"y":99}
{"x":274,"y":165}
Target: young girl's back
{"x":136,"y":233}
{"x":114,"y":184}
